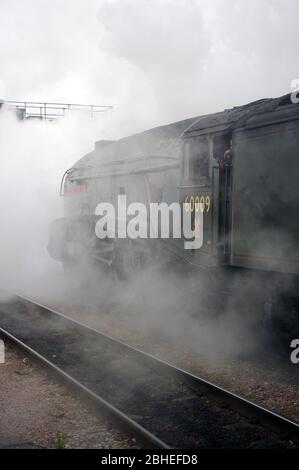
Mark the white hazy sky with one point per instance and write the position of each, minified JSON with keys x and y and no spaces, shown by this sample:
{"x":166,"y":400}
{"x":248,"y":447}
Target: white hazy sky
{"x":155,"y":60}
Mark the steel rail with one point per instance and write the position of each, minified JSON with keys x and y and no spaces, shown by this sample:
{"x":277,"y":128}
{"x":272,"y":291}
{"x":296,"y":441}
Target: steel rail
{"x":261,"y":415}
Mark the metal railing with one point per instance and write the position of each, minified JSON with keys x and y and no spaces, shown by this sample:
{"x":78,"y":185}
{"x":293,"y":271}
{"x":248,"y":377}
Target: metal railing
{"x":51,"y":111}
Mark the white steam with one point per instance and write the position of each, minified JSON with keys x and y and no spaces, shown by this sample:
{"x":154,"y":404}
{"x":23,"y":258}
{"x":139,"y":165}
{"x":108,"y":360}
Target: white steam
{"x":34,"y":155}
{"x":158,"y":61}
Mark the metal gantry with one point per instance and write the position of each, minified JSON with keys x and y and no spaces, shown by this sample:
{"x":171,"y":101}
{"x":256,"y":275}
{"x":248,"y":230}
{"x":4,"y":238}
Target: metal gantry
{"x":50,"y":111}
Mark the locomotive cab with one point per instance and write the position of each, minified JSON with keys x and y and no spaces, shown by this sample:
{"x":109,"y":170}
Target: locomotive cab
{"x":205,"y":186}
{"x":239,"y":168}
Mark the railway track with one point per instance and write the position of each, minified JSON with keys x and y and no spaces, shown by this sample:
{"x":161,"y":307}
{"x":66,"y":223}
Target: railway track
{"x":162,"y":405}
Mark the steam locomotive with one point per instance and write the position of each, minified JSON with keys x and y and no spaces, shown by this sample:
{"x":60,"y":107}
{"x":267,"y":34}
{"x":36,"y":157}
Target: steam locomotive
{"x":240,"y":167}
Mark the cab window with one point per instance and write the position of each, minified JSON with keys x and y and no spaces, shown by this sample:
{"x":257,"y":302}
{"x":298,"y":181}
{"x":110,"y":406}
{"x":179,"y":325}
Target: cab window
{"x":199,"y":159}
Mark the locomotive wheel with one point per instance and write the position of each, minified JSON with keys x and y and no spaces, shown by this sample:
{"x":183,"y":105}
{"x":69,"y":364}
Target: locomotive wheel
{"x":128,"y":260}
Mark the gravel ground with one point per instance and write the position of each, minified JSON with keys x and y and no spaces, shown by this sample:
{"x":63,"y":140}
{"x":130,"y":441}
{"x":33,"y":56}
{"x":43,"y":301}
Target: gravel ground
{"x":54,"y":417}
{"x":37,"y":412}
{"x":264,"y":378}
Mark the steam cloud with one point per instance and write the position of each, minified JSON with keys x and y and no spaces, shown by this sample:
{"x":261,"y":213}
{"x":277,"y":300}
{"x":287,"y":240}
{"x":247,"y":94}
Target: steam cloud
{"x":157,"y":61}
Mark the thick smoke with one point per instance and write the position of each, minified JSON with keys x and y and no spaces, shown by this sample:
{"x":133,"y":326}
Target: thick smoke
{"x":34,"y":155}
{"x":157,"y":61}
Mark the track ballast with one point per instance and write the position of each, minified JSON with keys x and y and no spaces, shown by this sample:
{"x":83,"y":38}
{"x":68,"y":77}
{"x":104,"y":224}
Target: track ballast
{"x":164,"y":406}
